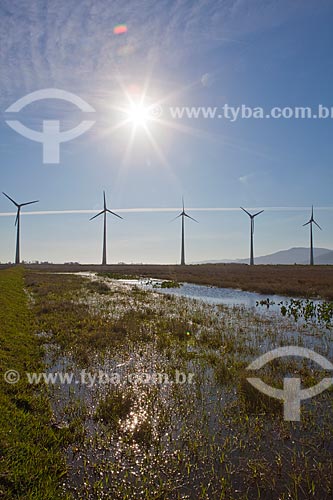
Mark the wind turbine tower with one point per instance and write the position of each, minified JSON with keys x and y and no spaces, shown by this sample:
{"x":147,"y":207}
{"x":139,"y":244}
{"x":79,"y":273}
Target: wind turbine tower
{"x":18,"y":224}
{"x":183,"y":214}
{"x":310,"y":222}
{"x":104,"y":212}
{"x":252,"y":216}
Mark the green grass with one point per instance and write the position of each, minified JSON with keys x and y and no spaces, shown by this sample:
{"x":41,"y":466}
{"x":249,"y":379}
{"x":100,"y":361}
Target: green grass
{"x":214,"y":438}
{"x":170,"y":284}
{"x":115,"y":406}
{"x":31,"y":464}
{"x":118,"y":276}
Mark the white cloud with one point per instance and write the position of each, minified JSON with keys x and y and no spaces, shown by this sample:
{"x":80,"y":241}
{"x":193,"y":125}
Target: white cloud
{"x":244,"y":179}
{"x":207,"y":80}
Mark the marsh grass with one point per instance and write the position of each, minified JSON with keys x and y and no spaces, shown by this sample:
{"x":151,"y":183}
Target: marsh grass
{"x":98,"y":287}
{"x":215,"y":438}
{"x":294,"y":281}
{"x":114,"y":407}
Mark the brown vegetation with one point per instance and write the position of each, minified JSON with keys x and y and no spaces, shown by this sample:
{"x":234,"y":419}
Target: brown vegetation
{"x":302,"y":281}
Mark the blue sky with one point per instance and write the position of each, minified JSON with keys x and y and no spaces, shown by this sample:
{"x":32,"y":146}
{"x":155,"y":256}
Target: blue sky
{"x":178,"y":53}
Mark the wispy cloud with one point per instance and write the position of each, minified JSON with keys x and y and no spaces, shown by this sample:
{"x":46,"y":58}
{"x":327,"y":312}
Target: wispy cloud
{"x":244,"y":179}
{"x":71,"y":44}
{"x":167,"y":210}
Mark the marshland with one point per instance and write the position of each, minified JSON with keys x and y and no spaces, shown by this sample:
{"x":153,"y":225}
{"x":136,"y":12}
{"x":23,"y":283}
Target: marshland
{"x":295,"y":281}
{"x":156,"y":404}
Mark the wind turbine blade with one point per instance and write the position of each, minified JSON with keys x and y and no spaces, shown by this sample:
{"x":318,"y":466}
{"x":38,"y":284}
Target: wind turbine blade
{"x":307,"y":223}
{"x":16,"y":219}
{"x":29,"y":203}
{"x":11,"y":199}
{"x":100,"y":213}
{"x":104,"y":197}
{"x":258,"y":213}
{"x":317,"y":224}
{"x":248,"y":213}
{"x":191,"y":218}
{"x":113,"y":213}
{"x":183,"y":204}
{"x":176,"y":217}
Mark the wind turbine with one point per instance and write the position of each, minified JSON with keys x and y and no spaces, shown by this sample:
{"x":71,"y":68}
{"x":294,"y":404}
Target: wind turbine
{"x":183,"y":214}
{"x":17,"y":224}
{"x":252,"y":216}
{"x":311,"y":221}
{"x":105,"y":211}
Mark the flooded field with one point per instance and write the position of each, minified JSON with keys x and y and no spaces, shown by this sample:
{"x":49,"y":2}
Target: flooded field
{"x":157,"y":404}
{"x":208,"y":294}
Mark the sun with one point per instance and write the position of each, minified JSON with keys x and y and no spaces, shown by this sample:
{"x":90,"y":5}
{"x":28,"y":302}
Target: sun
{"x":138,"y":114}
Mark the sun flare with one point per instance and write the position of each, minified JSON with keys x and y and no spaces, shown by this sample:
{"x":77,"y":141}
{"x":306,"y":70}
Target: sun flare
{"x":138,"y":114}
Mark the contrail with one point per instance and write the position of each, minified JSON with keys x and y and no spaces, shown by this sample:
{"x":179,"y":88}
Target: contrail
{"x":157,"y":210}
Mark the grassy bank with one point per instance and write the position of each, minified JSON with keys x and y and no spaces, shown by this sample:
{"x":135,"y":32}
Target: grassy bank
{"x":31,"y":463}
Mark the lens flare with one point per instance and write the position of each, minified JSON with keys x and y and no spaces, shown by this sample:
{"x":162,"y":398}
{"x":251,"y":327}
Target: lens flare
{"x":120,"y":29}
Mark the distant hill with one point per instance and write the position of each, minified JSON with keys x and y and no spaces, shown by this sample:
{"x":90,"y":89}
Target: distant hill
{"x":326,"y":258}
{"x":297,"y":255}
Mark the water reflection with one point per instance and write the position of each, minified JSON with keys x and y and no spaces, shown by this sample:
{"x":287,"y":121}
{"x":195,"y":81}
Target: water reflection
{"x":210,"y":294}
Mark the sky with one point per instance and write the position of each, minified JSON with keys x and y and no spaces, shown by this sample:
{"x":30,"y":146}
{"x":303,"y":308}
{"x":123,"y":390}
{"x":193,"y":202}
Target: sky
{"x":167,"y":54}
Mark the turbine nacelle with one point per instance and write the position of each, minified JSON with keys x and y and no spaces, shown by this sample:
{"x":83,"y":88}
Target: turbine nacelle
{"x":252,"y":216}
{"x":19,"y":205}
{"x":312,"y":220}
{"x":105,"y":210}
{"x":184,"y":214}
